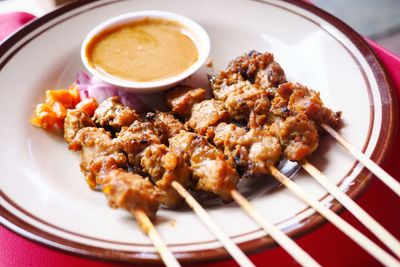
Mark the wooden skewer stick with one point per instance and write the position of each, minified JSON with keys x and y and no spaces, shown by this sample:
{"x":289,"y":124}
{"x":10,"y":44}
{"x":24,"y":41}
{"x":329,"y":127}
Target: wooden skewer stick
{"x":377,"y":252}
{"x":367,"y":162}
{"x":229,"y":245}
{"x":387,"y":238}
{"x":148,"y":228}
{"x":280,"y":237}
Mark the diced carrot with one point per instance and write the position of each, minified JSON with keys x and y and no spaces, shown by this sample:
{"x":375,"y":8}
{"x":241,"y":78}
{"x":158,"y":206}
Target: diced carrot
{"x":54,"y":110}
{"x":75,"y":94}
{"x":88,"y":105}
{"x":68,"y":97}
{"x":60,"y":123}
{"x":44,"y":117}
{"x":60,"y":110}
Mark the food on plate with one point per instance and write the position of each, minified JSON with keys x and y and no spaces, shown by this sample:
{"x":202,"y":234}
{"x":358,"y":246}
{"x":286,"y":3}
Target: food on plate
{"x":282,"y":118}
{"x":146,"y":50}
{"x":54,"y":110}
{"x":255,"y":119}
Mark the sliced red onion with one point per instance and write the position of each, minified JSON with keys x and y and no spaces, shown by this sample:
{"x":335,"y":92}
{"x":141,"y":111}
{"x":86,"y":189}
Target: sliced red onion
{"x":92,"y":87}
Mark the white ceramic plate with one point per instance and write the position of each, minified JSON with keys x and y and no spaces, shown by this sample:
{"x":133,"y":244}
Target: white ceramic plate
{"x":43,"y":194}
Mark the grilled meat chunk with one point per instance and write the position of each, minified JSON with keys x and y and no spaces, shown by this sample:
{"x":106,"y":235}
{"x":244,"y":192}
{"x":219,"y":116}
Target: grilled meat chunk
{"x":112,"y":115}
{"x":294,"y":98}
{"x":226,"y":137}
{"x":210,"y":169}
{"x":165,"y":166}
{"x":271,"y":76}
{"x":256,"y":68}
{"x":224,"y":83}
{"x":165,"y":125}
{"x":253,"y":152}
{"x":247,"y":100}
{"x":75,"y":120}
{"x":298,"y":136}
{"x":99,"y":153}
{"x":181,"y":99}
{"x":257,"y":151}
{"x":135,"y":138}
{"x":205,"y":114}
{"x":130,"y":191}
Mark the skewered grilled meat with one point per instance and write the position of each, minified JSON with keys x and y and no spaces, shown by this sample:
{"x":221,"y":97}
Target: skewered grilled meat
{"x":256,"y":152}
{"x":165,"y":166}
{"x":247,"y":100}
{"x":141,"y":141}
{"x":297,"y":134}
{"x":294,"y":98}
{"x":226,"y":135}
{"x":205,"y":114}
{"x":256,"y":68}
{"x":75,"y":120}
{"x":259,"y":68}
{"x":99,"y":153}
{"x":165,"y":125}
{"x":181,"y":99}
{"x":253,"y":152}
{"x":112,"y":115}
{"x":135,"y":138}
{"x":130,"y":191}
{"x":281,"y":120}
{"x":287,"y":122}
{"x":210,"y":169}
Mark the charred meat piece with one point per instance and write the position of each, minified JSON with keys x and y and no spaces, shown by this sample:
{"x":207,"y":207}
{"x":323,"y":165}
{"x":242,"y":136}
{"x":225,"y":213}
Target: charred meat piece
{"x":271,"y":76}
{"x":165,"y":166}
{"x":223,"y":87}
{"x":279,"y":104}
{"x":257,"y":151}
{"x":205,"y":114}
{"x":210,"y":169}
{"x":298,"y":136}
{"x":130,"y":191}
{"x":226,"y":137}
{"x":294,"y":98}
{"x":245,"y":101}
{"x":165,"y":125}
{"x":309,"y":102}
{"x":224,"y":83}
{"x":217,"y":176}
{"x":99,"y":153}
{"x":181,"y":99}
{"x":112,"y":115}
{"x":257,"y":68}
{"x":253,"y":152}
{"x":75,"y":120}
{"x":135,"y":138}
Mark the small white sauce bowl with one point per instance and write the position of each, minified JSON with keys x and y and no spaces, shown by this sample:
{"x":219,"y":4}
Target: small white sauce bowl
{"x":193,"y":30}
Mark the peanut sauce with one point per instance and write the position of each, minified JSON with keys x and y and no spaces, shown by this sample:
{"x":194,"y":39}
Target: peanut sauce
{"x":143,"y":51}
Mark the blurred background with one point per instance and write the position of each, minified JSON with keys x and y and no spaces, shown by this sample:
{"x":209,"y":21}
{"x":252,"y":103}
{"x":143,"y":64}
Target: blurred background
{"x":379,"y":20}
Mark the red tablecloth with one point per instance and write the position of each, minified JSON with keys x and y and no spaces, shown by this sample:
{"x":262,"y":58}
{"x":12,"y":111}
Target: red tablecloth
{"x":326,"y":244}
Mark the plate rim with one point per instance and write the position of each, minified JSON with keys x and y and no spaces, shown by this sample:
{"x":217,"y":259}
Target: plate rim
{"x":381,"y":150}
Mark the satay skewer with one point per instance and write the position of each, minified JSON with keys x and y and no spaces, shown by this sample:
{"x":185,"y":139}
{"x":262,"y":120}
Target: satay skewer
{"x":369,"y":246}
{"x":378,"y":230}
{"x":288,"y":244}
{"x":229,"y":245}
{"x":280,"y":237}
{"x":148,"y":228}
{"x":367,"y":162}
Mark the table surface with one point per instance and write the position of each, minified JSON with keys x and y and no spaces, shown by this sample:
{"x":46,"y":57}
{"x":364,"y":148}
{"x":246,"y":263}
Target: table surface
{"x":326,"y":244}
